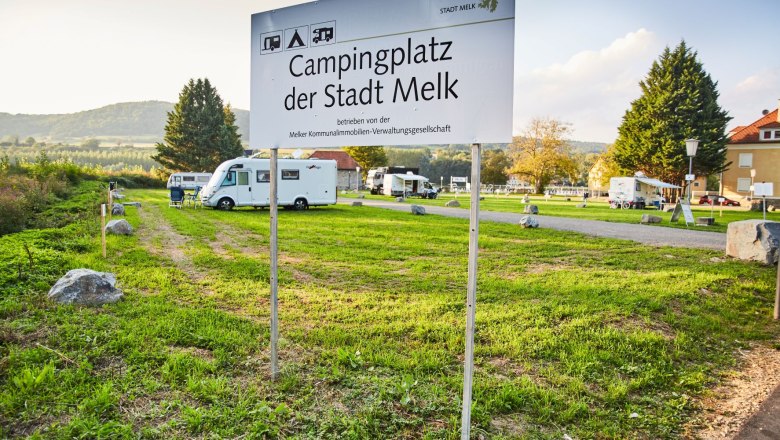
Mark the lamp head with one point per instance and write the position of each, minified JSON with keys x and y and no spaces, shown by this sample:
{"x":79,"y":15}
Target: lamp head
{"x":691,"y":145}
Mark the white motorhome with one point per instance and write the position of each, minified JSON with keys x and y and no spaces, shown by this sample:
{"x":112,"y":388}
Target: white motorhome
{"x":636,"y":192}
{"x":403,"y":184}
{"x":188,"y":180}
{"x":246,"y":182}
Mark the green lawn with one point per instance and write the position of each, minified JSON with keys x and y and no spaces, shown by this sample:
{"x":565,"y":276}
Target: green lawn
{"x":574,"y":334}
{"x":596,"y":210}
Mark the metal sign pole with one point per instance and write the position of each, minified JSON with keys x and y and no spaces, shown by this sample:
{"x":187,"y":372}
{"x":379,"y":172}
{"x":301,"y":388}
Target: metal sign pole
{"x":274,"y":263}
{"x":471,"y":300}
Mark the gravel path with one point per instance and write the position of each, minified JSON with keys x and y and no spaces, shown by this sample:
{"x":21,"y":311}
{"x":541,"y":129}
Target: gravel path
{"x":652,"y":235}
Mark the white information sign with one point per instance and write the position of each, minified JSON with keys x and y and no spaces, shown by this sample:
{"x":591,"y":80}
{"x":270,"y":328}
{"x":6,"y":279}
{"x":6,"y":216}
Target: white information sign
{"x":690,"y":177}
{"x":373,"y":72}
{"x":763,"y":189}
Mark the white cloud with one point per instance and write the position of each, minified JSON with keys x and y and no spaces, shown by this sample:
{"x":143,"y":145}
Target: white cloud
{"x":748,"y":97}
{"x":592,"y":89}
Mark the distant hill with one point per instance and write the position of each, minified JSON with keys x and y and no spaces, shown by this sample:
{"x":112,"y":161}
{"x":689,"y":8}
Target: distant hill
{"x":127,"y":121}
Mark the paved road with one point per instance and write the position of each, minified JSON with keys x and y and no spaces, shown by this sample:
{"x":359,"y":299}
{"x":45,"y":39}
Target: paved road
{"x":765,"y":424}
{"x":652,"y":235}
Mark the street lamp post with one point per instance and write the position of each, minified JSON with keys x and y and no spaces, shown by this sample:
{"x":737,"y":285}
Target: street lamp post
{"x":690,"y":146}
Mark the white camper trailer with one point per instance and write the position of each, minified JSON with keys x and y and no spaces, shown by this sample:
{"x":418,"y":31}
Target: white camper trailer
{"x":246,"y":182}
{"x":636,"y":192}
{"x":188,"y":180}
{"x":403,"y":184}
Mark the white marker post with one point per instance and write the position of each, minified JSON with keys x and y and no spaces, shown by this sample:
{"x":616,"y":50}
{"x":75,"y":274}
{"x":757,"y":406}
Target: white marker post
{"x":110,"y":199}
{"x":471,"y":295}
{"x":274,"y":279}
{"x":103,"y":228}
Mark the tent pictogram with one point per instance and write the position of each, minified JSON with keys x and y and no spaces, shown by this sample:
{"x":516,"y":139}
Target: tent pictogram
{"x":296,"y":41}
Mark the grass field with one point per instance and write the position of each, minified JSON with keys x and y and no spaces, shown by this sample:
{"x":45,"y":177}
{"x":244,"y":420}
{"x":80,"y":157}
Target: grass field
{"x":574,"y":334}
{"x":595,"y":210}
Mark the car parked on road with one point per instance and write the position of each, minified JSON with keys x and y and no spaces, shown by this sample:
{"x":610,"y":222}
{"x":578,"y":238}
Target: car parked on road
{"x":715,"y":200}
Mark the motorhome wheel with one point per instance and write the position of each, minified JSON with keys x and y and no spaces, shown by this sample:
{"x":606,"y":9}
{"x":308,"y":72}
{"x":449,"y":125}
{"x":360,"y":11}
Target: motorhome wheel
{"x":225,"y":204}
{"x":300,"y":204}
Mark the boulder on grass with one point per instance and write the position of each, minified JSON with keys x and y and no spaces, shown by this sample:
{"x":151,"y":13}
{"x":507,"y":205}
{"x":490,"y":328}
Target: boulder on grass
{"x":117,"y":209}
{"x":86,"y":287}
{"x":399,"y":199}
{"x":418,"y":210}
{"x":755,"y":240}
{"x":357,"y":203}
{"x":582,"y":205}
{"x":528,"y":221}
{"x":119,"y":227}
{"x":531,"y":209}
{"x":649,"y":219}
{"x":452,"y":204}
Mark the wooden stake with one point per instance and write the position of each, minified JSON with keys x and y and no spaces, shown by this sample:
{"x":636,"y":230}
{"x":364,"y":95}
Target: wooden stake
{"x":274,"y":264}
{"x":471,"y":296}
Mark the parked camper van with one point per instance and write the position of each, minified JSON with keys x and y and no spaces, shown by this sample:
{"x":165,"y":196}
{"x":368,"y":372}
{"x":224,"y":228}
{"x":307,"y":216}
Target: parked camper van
{"x":636,"y":192}
{"x":405,"y":185}
{"x":188,"y":180}
{"x":246,"y":182}
{"x":375,"y":179}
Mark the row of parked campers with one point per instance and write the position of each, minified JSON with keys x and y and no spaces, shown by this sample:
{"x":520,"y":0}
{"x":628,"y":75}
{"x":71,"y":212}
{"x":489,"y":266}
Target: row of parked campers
{"x":301,"y":183}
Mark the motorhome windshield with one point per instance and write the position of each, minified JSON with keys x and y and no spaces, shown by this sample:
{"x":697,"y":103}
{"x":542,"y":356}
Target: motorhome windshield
{"x":230,"y":179}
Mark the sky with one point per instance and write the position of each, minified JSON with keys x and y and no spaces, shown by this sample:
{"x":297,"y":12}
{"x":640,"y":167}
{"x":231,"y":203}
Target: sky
{"x":576,"y":61}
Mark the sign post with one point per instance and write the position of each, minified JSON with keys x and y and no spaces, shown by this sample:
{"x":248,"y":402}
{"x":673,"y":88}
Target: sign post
{"x":367,"y":72}
{"x":777,"y":293}
{"x":274,"y":276}
{"x":764,"y":189}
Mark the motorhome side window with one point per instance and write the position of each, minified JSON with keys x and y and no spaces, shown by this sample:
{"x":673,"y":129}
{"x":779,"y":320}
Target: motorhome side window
{"x":290,"y":174}
{"x":637,"y":187}
{"x":230,"y":179}
{"x":263,"y":176}
{"x":189,"y":178}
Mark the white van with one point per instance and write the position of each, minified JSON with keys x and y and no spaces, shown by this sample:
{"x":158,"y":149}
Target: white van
{"x":188,"y":180}
{"x":246,"y":182}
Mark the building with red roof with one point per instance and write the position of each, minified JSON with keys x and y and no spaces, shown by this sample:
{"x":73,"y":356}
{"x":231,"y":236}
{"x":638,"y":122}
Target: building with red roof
{"x":754,"y":153}
{"x":347,"y":168}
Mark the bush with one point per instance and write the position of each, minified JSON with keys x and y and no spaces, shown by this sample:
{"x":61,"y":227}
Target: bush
{"x":13,"y":213}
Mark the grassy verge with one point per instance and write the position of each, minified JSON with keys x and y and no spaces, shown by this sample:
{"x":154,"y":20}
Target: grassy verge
{"x":574,"y":335}
{"x":596,"y":210}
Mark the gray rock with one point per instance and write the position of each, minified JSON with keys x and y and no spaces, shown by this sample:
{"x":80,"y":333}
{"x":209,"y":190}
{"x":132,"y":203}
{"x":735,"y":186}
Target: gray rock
{"x":755,"y":240}
{"x":528,"y":221}
{"x":362,"y":196}
{"x":452,"y":204}
{"x":119,"y":227}
{"x":669,"y":209}
{"x":418,"y":210}
{"x":582,"y":205}
{"x":531,"y":209}
{"x":648,"y":219}
{"x":117,"y":209}
{"x":526,"y":199}
{"x":357,"y":203}
{"x":136,"y":204}
{"x":86,"y":287}
{"x":399,"y":199}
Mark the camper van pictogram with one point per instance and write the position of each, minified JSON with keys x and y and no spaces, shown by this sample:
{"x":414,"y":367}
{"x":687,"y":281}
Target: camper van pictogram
{"x":323,"y":34}
{"x":272,"y":43}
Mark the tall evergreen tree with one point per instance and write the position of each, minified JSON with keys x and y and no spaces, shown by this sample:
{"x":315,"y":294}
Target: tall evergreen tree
{"x":200,"y":133}
{"x":678,"y":102}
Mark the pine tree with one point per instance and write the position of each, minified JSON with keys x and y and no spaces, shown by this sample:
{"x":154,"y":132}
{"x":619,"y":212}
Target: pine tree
{"x":678,"y":102}
{"x":200,"y":133}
